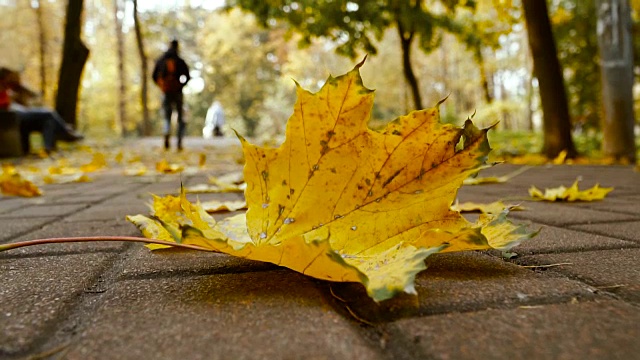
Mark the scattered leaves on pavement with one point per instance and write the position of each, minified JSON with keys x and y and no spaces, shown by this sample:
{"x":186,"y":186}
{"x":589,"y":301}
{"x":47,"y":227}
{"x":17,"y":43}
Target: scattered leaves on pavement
{"x":572,"y":193}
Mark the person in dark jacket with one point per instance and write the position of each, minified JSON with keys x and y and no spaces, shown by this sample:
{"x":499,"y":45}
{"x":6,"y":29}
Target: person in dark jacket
{"x":171,"y":74}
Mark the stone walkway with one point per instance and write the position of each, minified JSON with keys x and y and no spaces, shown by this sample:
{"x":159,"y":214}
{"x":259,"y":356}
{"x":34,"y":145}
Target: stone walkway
{"x":571,"y":293}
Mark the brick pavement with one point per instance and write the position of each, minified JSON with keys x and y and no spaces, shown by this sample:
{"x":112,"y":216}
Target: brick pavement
{"x":120,"y":301}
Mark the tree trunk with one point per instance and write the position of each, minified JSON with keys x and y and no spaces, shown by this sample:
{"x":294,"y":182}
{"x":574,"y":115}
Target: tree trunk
{"x":406,"y":39}
{"x":74,"y":56}
{"x":122,"y":89}
{"x":616,"y":53}
{"x":144,"y":92}
{"x":557,"y":123}
{"x":483,"y":74}
{"x":43,"y":47}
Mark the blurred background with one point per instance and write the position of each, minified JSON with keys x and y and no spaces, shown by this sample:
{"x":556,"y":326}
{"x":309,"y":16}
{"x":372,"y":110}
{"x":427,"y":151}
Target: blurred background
{"x":246,"y":54}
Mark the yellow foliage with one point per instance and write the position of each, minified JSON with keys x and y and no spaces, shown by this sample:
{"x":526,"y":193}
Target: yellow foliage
{"x":572,"y":193}
{"x":495,"y":207}
{"x":13,"y":184}
{"x":338,"y":201}
{"x":223,"y":206}
{"x":165,"y":167}
{"x":97,"y":162}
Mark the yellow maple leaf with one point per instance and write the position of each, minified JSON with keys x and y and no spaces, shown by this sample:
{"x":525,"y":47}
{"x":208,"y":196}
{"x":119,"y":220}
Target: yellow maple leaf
{"x":572,"y":193}
{"x":495,"y":207}
{"x":136,"y":170}
{"x":165,"y":167}
{"x":340,"y":202}
{"x":97,"y":162}
{"x":495,"y":179}
{"x":222,"y":206}
{"x":66,"y":178}
{"x":12,"y":183}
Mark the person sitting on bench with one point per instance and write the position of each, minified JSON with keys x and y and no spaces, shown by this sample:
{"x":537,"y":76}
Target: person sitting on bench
{"x":14,"y":97}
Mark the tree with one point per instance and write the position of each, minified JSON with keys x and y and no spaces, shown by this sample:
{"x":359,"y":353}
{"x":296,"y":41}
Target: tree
{"x":557,"y":123}
{"x":118,"y":14}
{"x":144,"y":71}
{"x":42,"y":39}
{"x":573,"y":23}
{"x":356,"y":25}
{"x":74,"y":57}
{"x":616,"y":52}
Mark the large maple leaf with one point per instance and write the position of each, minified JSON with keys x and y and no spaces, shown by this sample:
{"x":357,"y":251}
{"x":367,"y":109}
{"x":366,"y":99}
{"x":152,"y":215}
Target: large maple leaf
{"x":341,"y":202}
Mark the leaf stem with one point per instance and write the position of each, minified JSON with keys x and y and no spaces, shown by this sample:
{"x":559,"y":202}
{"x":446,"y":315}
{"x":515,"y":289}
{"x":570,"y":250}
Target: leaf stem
{"x":10,"y":246}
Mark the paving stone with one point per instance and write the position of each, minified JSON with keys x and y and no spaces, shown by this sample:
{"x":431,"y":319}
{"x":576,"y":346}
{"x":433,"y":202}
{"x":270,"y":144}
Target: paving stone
{"x":629,"y":230}
{"x":89,"y":228}
{"x":268,"y":315}
{"x":104,"y":212}
{"x":561,"y":214}
{"x":591,"y":330}
{"x":553,"y":239}
{"x":616,"y":205}
{"x":44,"y":210}
{"x":37,"y":292}
{"x":8,"y":204}
{"x":11,"y":228}
{"x":143,"y":263}
{"x":614,"y":271}
{"x":460,"y":282}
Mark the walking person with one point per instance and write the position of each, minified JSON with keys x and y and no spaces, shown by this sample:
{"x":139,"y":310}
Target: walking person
{"x":171,"y":74}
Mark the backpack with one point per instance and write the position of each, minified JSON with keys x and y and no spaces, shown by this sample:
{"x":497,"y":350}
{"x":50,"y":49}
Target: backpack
{"x":169,"y":79}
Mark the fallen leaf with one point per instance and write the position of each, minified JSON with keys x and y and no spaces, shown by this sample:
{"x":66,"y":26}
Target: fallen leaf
{"x":340,"y":202}
{"x":231,"y":178}
{"x":66,"y":178}
{"x":223,"y":188}
{"x":495,"y":180}
{"x":13,"y":184}
{"x":572,"y":193}
{"x":97,"y":162}
{"x":561,"y":158}
{"x":137,"y":170}
{"x":165,"y":167}
{"x":222,"y":206}
{"x":495,"y":207}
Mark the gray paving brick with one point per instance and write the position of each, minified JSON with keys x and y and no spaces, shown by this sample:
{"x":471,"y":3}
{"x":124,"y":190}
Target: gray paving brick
{"x":615,"y":271}
{"x":624,"y":230}
{"x":104,"y":212}
{"x":38,"y":292}
{"x":43,"y":210}
{"x":8,"y":204}
{"x":268,"y":315}
{"x":143,"y":263}
{"x":563,"y":214}
{"x":14,"y":227}
{"x":88,"y":228}
{"x":554,"y":239}
{"x":459,"y":282}
{"x":591,"y":330}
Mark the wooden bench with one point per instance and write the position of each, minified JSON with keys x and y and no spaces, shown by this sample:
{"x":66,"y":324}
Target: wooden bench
{"x":10,"y":141}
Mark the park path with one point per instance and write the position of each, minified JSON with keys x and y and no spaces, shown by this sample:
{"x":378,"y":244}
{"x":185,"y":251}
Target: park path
{"x":571,"y":293}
